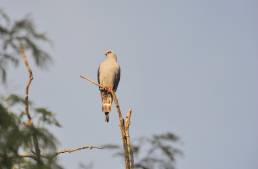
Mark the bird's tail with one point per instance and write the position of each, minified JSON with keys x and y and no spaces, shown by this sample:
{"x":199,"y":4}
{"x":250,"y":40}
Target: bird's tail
{"x":107,"y":104}
{"x":107,"y":117}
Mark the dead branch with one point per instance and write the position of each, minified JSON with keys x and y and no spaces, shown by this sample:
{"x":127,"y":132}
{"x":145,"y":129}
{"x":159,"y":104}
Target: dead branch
{"x":27,"y":89}
{"x":127,"y":125}
{"x":71,"y":150}
{"x":123,"y":132}
{"x":124,"y":127}
{"x":28,"y":83}
{"x":63,"y":151}
{"x":93,"y":82}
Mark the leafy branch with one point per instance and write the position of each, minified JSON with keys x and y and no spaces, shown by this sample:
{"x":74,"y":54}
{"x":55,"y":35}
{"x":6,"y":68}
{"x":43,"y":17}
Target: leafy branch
{"x":45,"y":116}
{"x":20,"y":32}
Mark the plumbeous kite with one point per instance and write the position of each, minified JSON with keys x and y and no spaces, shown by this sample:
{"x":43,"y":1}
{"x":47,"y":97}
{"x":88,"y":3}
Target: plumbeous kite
{"x":108,"y":77}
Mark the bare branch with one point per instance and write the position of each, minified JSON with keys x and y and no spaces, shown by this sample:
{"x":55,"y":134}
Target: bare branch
{"x":124,"y":127}
{"x":63,"y":151}
{"x":71,"y":150}
{"x":27,"y":89}
{"x":129,"y":145}
{"x":128,"y":119}
{"x":123,"y":132}
{"x":28,"y":83}
{"x":93,"y":82}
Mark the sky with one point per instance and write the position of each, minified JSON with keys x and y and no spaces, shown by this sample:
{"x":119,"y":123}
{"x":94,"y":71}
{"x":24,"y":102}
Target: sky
{"x":188,"y":67}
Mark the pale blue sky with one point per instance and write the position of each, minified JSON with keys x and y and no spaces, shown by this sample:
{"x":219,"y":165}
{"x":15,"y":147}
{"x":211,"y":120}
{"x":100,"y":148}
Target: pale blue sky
{"x":189,"y":67}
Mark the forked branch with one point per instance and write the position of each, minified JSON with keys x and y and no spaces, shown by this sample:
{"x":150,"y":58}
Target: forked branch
{"x":124,"y":127}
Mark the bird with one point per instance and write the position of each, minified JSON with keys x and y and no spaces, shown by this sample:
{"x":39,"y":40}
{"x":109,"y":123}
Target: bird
{"x":108,"y":78}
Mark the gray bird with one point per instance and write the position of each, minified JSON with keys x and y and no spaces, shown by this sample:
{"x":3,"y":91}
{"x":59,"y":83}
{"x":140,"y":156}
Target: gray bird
{"x":108,"y":77}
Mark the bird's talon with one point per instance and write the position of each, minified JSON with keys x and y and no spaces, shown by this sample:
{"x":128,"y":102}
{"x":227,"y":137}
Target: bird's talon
{"x":110,"y":89}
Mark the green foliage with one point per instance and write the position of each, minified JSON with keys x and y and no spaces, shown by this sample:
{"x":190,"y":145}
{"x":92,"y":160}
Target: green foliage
{"x":47,"y":117}
{"x":157,"y":151}
{"x":19,"y":33}
{"x":16,"y":137}
{"x":13,"y":100}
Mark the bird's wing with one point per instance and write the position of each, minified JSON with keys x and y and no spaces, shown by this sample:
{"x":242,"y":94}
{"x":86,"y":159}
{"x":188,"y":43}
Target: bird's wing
{"x":98,"y":75}
{"x":116,"y":78}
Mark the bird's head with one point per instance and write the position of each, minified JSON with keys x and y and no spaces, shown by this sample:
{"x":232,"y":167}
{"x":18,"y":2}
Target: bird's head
{"x":111,"y":54}
{"x":108,"y":52}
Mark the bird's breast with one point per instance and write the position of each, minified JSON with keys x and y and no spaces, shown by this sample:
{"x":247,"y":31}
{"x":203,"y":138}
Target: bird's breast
{"x":107,"y":73}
